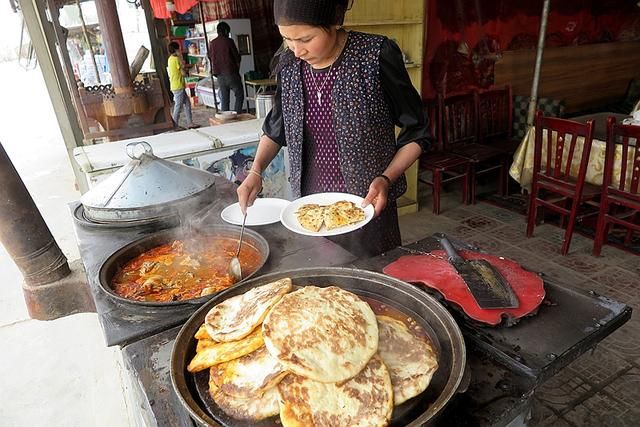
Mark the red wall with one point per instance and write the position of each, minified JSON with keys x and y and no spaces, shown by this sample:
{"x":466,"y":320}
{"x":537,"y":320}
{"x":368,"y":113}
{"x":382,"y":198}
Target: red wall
{"x":490,"y":27}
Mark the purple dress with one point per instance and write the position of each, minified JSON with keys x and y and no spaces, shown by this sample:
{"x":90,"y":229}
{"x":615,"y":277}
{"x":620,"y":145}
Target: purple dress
{"x":320,"y":156}
{"x":321,"y":165}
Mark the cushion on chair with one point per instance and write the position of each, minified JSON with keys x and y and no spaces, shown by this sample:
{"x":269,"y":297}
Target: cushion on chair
{"x":550,"y":107}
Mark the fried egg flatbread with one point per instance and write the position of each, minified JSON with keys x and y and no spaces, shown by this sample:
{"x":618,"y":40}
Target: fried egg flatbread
{"x":255,"y":408}
{"x":248,"y":376}
{"x":311,"y":217}
{"x":366,"y":400}
{"x":341,"y":214}
{"x":236,"y":317}
{"x":219,"y":352}
{"x":325,"y":334}
{"x":411,"y":360}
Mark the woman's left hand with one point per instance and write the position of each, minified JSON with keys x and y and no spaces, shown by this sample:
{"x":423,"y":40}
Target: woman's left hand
{"x":377,"y":195}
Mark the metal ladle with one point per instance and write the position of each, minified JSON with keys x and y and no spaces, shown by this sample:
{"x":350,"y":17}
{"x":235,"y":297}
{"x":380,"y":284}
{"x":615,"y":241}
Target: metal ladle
{"x":234,"y":269}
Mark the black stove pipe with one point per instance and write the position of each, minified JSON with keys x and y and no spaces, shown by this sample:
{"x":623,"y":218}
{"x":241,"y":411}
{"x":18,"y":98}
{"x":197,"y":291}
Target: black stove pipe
{"x":24,"y":233}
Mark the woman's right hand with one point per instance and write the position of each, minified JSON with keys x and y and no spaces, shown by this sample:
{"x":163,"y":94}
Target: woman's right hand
{"x":248,"y":191}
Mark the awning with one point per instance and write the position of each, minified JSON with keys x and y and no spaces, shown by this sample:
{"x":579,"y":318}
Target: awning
{"x":160,"y":7}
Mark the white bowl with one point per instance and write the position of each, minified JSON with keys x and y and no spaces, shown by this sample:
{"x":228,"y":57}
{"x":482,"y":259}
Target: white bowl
{"x":226,"y":115}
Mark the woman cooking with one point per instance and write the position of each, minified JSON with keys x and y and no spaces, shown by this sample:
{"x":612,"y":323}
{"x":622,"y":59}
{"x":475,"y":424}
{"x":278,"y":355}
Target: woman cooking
{"x":340,"y":95}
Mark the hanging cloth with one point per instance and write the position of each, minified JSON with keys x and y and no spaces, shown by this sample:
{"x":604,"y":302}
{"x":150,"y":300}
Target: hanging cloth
{"x":160,"y":11}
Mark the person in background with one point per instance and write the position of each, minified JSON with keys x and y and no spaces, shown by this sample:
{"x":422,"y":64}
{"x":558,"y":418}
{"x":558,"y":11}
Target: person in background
{"x":225,"y":65}
{"x":176,"y":71}
{"x":340,"y":95}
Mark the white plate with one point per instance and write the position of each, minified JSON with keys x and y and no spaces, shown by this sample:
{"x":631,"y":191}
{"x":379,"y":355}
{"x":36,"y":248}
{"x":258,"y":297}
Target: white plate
{"x":289,"y":220}
{"x":262,"y":212}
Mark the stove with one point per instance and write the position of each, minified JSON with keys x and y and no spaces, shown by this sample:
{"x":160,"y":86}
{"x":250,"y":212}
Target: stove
{"x":504,"y":365}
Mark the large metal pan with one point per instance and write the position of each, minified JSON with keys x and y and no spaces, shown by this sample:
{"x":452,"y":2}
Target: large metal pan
{"x":120,"y":257}
{"x":436,"y":321}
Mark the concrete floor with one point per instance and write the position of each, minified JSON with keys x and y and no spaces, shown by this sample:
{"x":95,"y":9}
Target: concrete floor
{"x":60,"y":373}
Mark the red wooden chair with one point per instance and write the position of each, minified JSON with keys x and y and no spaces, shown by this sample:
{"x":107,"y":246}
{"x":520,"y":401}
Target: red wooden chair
{"x":495,"y":127}
{"x":459,"y":119}
{"x":444,"y":166}
{"x":619,"y":204}
{"x":495,"y":110}
{"x":554,"y":178}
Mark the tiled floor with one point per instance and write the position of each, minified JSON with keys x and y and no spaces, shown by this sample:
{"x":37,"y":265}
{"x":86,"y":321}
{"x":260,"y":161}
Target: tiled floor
{"x":602,"y":387}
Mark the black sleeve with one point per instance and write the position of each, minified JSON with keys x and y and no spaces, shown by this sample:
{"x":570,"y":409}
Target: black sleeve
{"x":403,"y":99}
{"x":273,"y":125}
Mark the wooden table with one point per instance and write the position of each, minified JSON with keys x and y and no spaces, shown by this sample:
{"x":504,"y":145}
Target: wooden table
{"x":522,"y":167}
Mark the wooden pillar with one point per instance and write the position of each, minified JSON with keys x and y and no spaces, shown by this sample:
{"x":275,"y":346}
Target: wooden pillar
{"x":114,"y":45}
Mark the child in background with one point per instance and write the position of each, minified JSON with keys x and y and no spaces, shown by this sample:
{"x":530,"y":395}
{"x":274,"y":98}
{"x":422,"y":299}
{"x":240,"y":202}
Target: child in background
{"x":176,"y":71}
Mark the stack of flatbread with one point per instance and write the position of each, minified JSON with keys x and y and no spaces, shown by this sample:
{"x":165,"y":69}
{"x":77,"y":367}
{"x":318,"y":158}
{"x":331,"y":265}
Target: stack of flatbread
{"x":339,"y":214}
{"x":315,"y":356}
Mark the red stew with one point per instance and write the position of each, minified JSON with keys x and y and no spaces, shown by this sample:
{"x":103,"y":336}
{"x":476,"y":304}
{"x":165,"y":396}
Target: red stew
{"x":183,"y":270}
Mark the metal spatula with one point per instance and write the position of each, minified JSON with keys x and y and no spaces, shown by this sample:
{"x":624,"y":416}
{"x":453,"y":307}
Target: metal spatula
{"x":235,"y":271}
{"x":487,"y":285}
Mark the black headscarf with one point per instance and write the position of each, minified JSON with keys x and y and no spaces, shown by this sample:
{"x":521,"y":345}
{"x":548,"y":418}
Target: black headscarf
{"x":309,"y":12}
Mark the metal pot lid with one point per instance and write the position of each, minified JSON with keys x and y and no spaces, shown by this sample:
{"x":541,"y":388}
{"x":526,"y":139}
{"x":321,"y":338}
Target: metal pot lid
{"x":146,"y":181}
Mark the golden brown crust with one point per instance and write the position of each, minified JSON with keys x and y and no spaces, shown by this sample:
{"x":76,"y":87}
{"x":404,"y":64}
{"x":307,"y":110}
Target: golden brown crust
{"x":236,"y":317}
{"x":410,"y":359}
{"x":248,"y":375}
{"x":326,"y":334}
{"x":254,"y":408}
{"x":365,"y":400}
{"x":218,"y":352}
{"x":202,"y":333}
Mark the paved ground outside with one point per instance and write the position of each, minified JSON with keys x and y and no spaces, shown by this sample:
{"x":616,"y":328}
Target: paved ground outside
{"x":60,"y":373}
{"x":56,"y":373}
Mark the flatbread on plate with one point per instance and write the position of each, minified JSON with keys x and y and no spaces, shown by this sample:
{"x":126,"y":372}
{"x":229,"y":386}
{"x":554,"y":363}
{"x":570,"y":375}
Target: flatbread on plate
{"x":311,"y":217}
{"x":325,"y":334}
{"x":341,"y":214}
{"x":365,"y":400}
{"x":411,"y":360}
{"x":237,"y":316}
{"x":338,"y":214}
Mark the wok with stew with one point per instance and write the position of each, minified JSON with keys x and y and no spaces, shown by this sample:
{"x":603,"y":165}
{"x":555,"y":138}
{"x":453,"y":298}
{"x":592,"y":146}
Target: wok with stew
{"x":175,"y":267}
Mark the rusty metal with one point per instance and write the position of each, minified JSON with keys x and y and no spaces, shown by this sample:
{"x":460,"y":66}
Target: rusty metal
{"x":24,"y":233}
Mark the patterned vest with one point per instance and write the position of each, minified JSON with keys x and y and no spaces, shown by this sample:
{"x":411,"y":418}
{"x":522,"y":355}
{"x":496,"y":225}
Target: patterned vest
{"x":363,"y":124}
